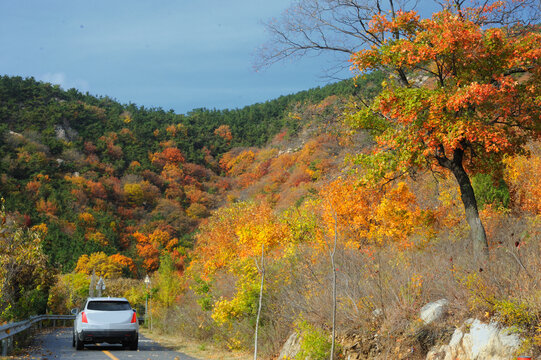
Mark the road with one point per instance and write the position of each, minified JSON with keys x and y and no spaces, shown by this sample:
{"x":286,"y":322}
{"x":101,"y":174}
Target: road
{"x":56,"y":344}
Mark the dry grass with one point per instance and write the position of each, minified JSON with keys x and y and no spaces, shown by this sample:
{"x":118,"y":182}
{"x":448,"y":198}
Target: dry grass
{"x":198,"y":349}
{"x":392,"y":283}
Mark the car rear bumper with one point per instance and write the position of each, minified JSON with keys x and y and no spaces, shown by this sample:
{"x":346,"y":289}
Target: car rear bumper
{"x":108,"y":336}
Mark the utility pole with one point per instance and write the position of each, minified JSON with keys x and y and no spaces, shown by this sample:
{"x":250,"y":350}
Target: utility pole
{"x":100,"y":286}
{"x":92,"y":286}
{"x":147,"y":305}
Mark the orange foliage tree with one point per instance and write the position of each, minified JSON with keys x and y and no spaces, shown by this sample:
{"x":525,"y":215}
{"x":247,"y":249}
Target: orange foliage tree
{"x":124,"y":261}
{"x":150,"y":247}
{"x":354,"y":208}
{"x":367,"y":216}
{"x":231,"y":239}
{"x":482,"y":98}
{"x":47,"y":207}
{"x":237,"y":164}
{"x":224,"y":131}
{"x":237,"y":232}
{"x":169,"y":155}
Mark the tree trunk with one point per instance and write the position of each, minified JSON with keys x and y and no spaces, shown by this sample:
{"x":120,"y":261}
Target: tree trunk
{"x":333,"y":266}
{"x":477,"y":230}
{"x":261,"y":268}
{"x":333,"y":336}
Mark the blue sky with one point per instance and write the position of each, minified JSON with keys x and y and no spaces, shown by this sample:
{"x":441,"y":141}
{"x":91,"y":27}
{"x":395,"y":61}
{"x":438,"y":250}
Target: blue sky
{"x":174,"y":54}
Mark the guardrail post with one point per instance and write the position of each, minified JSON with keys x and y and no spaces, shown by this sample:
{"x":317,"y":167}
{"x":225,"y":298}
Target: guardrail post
{"x":54,"y":323}
{"x":4,"y":347}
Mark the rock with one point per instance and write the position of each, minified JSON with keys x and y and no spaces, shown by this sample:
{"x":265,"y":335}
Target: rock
{"x":483,"y":342}
{"x":15,"y":134}
{"x":60,"y":133}
{"x":358,"y":345}
{"x":291,"y":347}
{"x":65,"y":132}
{"x":434,"y":311}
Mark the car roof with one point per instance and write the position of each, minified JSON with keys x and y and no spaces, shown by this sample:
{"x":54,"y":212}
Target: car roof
{"x":107,"y":299}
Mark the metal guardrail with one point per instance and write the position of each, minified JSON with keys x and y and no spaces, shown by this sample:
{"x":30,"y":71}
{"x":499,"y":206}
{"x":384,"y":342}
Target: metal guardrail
{"x":9,"y":330}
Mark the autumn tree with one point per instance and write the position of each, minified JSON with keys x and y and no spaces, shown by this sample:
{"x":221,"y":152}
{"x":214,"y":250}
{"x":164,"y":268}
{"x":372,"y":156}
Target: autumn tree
{"x":465,"y":96}
{"x":167,"y":282}
{"x":69,"y":291}
{"x":235,"y":233}
{"x":342,"y":27}
{"x":169,"y":155}
{"x":97,"y":262}
{"x":24,"y":274}
{"x":100,"y":264}
{"x":224,"y":131}
{"x":316,"y":26}
{"x":159,"y":243}
{"x":522,"y":176}
{"x":366,"y":216}
{"x":229,"y":241}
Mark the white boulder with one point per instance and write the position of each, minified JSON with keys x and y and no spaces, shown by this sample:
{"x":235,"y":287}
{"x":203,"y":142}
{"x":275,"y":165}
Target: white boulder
{"x":291,"y":347}
{"x":482,"y":342}
{"x":434,"y":311}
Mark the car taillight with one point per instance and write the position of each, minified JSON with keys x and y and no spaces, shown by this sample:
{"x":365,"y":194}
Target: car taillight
{"x":134,"y":318}
{"x":83,"y":317}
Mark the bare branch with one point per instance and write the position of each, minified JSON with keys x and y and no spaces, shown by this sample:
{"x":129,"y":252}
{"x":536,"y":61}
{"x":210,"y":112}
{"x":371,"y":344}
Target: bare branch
{"x":312,"y":27}
{"x":315,"y":26}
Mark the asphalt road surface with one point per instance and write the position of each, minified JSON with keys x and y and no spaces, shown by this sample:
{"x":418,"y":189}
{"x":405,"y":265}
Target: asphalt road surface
{"x":56,"y":344}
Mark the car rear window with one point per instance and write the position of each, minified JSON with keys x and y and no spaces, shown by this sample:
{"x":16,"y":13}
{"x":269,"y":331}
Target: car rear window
{"x":108,"y":305}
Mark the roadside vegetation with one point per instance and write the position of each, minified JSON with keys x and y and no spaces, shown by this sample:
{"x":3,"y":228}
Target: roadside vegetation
{"x":395,"y":191}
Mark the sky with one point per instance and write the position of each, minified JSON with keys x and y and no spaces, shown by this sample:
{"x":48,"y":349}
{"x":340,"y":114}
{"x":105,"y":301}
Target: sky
{"x":173,"y":54}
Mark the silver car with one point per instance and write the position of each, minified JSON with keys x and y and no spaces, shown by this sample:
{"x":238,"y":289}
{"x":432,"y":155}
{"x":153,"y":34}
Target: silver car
{"x":110,"y":320}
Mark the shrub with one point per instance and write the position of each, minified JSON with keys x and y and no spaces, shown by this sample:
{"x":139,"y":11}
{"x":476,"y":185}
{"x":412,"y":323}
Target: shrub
{"x":315,"y":343}
{"x":489,"y":192}
{"x":69,"y":291}
{"x":513,"y":313}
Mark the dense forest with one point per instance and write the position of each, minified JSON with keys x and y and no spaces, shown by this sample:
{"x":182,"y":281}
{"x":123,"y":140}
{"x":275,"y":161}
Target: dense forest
{"x":121,"y":154}
{"x":99,"y":177}
{"x":360,"y":201}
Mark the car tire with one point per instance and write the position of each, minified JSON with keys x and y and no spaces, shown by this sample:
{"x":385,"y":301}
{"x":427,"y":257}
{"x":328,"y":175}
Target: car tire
{"x":73,"y":339}
{"x":78,"y":343}
{"x":135,"y":343}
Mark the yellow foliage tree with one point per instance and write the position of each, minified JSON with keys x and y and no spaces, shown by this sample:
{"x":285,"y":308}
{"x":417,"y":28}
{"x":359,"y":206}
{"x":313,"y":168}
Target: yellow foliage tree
{"x":237,"y":232}
{"x":99,"y":262}
{"x":134,"y":194}
{"x":522,"y":174}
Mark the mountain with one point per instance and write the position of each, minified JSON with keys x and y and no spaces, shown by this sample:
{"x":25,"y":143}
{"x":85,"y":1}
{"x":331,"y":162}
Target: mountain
{"x":207,"y":202}
{"x":96,"y":172}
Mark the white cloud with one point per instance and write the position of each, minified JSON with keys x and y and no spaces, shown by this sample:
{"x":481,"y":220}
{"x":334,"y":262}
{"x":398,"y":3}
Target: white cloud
{"x":54,"y":78}
{"x":61,"y":79}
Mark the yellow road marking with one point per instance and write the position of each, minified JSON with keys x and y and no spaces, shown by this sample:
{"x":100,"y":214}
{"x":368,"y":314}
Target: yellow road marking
{"x":110,"y":355}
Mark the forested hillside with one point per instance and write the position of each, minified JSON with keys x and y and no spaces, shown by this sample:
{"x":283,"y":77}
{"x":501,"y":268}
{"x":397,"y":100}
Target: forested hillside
{"x":69,"y":157}
{"x":129,"y":184}
{"x":331,"y":216}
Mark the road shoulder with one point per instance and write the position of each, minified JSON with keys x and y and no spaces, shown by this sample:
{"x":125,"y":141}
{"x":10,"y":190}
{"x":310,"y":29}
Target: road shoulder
{"x":193,"y":348}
